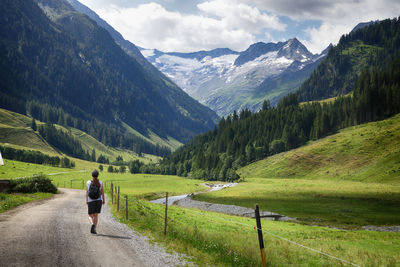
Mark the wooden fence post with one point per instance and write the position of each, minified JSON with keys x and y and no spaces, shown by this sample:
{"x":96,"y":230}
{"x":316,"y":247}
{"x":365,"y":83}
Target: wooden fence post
{"x":118,"y":200}
{"x":166,"y":211}
{"x":126,"y":206}
{"x":112,"y":193}
{"x":260,"y":235}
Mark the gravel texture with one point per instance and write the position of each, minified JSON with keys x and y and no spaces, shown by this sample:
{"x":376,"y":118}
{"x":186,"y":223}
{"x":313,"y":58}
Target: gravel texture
{"x":188,"y":202}
{"x":382,"y":228}
{"x":56,"y":232}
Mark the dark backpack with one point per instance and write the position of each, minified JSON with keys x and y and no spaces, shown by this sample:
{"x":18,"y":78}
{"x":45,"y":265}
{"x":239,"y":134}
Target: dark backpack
{"x":94,"y":191}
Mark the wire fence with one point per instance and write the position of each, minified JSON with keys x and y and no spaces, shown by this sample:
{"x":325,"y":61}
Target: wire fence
{"x":138,"y":203}
{"x":115,"y":196}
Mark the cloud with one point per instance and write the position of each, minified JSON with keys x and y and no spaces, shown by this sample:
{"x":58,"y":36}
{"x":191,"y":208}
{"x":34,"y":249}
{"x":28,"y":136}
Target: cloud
{"x":219,"y":24}
{"x":239,"y":15}
{"x":337,"y":17}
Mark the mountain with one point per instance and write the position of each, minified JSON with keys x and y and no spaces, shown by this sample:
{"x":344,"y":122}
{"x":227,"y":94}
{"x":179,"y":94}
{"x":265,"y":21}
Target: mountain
{"x":372,"y":44}
{"x":60,"y":66}
{"x":363,"y":24}
{"x":245,"y":137}
{"x":227,"y":80}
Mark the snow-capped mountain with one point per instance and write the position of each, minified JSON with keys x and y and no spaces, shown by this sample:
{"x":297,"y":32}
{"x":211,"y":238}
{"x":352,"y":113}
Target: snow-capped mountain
{"x":226,"y":80}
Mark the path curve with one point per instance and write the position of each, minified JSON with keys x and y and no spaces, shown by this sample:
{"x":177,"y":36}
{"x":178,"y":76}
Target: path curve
{"x":56,"y":232}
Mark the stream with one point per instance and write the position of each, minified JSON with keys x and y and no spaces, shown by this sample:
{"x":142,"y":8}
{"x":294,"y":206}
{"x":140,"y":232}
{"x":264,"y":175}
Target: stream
{"x":187,"y":201}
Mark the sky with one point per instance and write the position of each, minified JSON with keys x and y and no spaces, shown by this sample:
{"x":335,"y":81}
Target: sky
{"x":194,"y":25}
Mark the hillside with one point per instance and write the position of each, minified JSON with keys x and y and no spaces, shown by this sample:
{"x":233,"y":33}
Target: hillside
{"x":16,"y":132}
{"x":246,"y":137}
{"x":348,"y":180}
{"x":72,"y":71}
{"x":371,"y":44}
{"x":367,"y":153}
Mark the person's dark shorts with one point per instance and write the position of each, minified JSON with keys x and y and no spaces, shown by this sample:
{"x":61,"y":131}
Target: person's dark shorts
{"x":94,"y":206}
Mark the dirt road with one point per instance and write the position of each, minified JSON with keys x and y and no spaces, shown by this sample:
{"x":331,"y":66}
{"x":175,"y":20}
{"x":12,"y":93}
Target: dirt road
{"x":56,"y":232}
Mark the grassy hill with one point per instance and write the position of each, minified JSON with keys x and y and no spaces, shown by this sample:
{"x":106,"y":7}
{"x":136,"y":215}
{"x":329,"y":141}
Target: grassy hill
{"x":350,"y":179}
{"x":15,"y":131}
{"x":368,"y":153}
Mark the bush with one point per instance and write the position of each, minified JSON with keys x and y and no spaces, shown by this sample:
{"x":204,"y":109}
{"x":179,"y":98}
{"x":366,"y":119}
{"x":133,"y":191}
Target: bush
{"x":23,"y":188}
{"x":35,"y":184}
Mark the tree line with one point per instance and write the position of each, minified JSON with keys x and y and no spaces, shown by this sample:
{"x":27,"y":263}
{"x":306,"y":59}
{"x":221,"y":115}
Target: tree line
{"x":243,"y":138}
{"x":36,"y":157}
{"x":110,"y":135}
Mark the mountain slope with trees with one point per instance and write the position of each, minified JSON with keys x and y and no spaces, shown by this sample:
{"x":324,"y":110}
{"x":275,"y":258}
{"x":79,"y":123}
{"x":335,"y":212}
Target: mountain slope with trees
{"x":370,"y":44}
{"x":70,"y":71}
{"x":246,"y":137}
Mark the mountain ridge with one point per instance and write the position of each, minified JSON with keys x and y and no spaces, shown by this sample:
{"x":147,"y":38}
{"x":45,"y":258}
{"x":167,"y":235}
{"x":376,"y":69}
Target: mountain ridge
{"x":231,"y":81}
{"x":66,"y":68}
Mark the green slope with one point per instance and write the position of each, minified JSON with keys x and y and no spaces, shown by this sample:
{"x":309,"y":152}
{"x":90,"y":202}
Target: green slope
{"x":350,"y":179}
{"x":368,"y":153}
{"x":373,"y":46}
{"x":15,"y":131}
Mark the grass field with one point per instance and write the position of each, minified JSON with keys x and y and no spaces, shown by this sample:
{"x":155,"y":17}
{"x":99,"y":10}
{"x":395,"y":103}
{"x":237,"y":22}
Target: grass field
{"x":15,"y":131}
{"x":222,"y":240}
{"x":349,"y":179}
{"x":9,"y":201}
{"x":216,"y":239}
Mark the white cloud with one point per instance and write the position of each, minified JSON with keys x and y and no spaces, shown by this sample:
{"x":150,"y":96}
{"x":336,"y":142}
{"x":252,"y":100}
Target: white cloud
{"x":239,"y":15}
{"x":220,"y":24}
{"x":237,"y":23}
{"x":337,"y":17}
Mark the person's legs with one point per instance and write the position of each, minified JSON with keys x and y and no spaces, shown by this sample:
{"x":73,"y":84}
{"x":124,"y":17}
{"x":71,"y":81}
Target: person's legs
{"x":91,"y":218}
{"x":95,"y":219}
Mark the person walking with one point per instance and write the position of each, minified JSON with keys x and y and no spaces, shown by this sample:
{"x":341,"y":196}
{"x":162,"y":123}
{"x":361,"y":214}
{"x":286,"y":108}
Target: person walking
{"x":94,"y":199}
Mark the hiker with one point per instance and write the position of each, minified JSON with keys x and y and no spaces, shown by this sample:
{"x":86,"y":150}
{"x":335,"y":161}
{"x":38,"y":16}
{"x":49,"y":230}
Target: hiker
{"x":94,"y":199}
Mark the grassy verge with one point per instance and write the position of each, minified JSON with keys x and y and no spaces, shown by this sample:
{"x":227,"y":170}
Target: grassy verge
{"x":9,"y":201}
{"x":349,"y":179}
{"x":348,"y":204}
{"x":140,"y":185}
{"x":14,"y":169}
{"x":223,"y":240}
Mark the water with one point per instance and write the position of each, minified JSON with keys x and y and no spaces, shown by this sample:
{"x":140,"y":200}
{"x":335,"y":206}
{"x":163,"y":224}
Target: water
{"x":173,"y":199}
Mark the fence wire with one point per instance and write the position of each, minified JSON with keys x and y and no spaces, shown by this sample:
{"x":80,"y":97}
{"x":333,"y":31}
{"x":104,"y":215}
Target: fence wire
{"x":247,"y":226}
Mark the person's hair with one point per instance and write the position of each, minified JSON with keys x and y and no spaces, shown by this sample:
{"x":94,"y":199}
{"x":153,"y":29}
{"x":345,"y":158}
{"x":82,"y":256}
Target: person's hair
{"x":95,"y":175}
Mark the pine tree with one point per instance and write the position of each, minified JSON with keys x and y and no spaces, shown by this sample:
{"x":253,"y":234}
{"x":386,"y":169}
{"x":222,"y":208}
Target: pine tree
{"x":33,"y":124}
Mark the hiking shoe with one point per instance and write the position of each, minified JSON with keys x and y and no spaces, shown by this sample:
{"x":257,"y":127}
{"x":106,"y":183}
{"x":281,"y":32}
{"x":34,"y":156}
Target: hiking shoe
{"x":93,"y":229}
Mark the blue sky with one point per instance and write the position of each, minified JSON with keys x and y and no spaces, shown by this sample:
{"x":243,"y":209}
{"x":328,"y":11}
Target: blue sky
{"x":187,"y":26}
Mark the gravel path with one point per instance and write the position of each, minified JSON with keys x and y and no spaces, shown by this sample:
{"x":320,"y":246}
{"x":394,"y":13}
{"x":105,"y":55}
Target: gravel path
{"x":188,"y":202}
{"x":55,"y":232}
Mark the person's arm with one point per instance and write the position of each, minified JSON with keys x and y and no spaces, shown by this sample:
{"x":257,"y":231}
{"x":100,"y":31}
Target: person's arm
{"x":87,"y":194}
{"x":102,"y":194}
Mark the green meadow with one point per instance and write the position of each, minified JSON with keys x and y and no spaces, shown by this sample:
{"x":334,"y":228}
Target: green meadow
{"x":217,"y":239}
{"x":16,"y":132}
{"x":350,"y":179}
{"x":345,"y":181}
{"x":9,"y":201}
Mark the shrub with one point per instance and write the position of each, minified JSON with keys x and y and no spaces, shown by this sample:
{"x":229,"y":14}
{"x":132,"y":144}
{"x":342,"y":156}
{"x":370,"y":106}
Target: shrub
{"x":35,"y":184}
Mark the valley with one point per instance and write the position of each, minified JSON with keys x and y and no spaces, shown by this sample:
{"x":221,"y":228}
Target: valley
{"x":314,"y":137}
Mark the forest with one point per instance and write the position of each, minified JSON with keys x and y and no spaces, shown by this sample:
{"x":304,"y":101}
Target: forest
{"x":112,"y":135}
{"x":36,"y":157}
{"x":243,"y":138}
{"x":375,"y":45}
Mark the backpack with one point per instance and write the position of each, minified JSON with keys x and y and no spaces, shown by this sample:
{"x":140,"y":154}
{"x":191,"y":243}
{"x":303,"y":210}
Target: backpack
{"x":94,"y":191}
